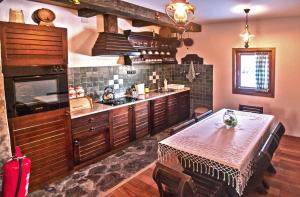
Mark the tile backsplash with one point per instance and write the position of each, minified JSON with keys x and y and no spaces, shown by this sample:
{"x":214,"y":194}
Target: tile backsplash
{"x":95,"y":79}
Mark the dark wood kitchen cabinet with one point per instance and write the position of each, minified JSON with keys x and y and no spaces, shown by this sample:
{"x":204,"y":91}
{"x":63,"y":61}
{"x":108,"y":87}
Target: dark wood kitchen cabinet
{"x":173,"y":109}
{"x":45,"y":138}
{"x":121,"y":126}
{"x":24,"y":45}
{"x":184,"y":105}
{"x":158,"y":115}
{"x":90,"y":136}
{"x":141,"y":120}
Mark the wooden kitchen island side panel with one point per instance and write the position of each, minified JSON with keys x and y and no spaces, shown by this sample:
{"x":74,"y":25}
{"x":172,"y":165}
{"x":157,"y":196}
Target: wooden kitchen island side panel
{"x":45,"y":139}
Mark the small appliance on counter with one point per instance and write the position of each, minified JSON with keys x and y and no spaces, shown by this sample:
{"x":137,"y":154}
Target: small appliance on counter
{"x":140,"y":88}
{"x":108,"y":95}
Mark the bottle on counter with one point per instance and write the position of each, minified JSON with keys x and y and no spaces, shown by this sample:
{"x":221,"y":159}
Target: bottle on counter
{"x":165,"y":85}
{"x":79,"y":91}
{"x":72,"y":92}
{"x":147,"y":90}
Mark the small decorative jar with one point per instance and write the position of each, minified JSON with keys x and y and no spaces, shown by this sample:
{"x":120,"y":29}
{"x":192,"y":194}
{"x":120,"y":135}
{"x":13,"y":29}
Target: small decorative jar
{"x":79,"y":91}
{"x":230,"y":119}
{"x":72,"y":92}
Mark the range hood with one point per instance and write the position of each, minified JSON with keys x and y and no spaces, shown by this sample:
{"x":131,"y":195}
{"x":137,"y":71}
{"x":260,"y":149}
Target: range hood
{"x":110,"y":42}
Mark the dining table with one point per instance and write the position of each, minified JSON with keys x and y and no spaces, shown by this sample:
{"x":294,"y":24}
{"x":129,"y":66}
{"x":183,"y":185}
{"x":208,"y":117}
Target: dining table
{"x":226,"y":153}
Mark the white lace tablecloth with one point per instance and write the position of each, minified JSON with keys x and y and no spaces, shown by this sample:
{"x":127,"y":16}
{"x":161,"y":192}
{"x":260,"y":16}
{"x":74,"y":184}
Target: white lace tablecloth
{"x":209,"y":147}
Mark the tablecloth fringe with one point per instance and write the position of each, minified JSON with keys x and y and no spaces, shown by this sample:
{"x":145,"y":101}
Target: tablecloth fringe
{"x":232,"y":176}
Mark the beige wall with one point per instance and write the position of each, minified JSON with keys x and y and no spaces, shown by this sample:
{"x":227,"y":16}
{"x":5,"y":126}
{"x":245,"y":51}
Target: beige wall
{"x":82,"y":32}
{"x":215,"y":45}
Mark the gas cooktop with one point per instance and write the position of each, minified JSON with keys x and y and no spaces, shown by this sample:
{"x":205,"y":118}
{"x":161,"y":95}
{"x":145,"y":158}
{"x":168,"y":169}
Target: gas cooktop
{"x":118,"y":101}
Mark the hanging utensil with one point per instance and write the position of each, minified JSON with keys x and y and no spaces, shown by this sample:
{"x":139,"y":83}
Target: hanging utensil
{"x":188,"y":42}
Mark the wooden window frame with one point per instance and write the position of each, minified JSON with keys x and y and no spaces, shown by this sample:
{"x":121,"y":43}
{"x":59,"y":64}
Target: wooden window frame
{"x":236,"y":72}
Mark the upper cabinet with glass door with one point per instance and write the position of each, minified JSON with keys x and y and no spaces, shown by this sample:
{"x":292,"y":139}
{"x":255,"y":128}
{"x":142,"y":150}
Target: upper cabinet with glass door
{"x":253,"y":71}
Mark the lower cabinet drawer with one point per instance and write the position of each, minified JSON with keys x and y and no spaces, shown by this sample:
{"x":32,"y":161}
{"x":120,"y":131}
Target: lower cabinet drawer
{"x":90,"y":146}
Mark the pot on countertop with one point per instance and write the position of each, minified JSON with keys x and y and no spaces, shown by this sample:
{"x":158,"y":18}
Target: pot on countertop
{"x":109,"y":94}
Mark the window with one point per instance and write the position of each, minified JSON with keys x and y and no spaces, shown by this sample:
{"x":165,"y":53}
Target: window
{"x":253,"y":71}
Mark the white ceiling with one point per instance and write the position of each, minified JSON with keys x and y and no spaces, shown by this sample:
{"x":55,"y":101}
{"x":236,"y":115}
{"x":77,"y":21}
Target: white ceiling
{"x":210,"y":11}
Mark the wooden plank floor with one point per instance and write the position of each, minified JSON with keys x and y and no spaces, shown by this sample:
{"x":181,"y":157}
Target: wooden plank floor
{"x":285,"y":183}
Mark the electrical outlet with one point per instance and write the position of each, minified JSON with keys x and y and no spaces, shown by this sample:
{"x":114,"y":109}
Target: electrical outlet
{"x":131,"y":72}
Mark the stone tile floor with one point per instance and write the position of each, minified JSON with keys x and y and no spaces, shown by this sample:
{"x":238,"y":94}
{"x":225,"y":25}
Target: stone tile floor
{"x":97,"y":178}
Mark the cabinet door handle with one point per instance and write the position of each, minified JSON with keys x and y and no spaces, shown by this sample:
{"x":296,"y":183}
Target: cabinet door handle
{"x":91,"y":120}
{"x":76,"y":142}
{"x":92,"y":129}
{"x":67,"y":113}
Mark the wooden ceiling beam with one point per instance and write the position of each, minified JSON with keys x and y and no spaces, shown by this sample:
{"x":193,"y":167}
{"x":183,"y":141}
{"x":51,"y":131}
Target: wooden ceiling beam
{"x":89,"y":8}
{"x":87,"y":13}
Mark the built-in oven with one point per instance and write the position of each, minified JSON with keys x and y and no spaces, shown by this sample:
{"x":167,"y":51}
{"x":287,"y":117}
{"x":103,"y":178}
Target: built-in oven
{"x":35,"y":89}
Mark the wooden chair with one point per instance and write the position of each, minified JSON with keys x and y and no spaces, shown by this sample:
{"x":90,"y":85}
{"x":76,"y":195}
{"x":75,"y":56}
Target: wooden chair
{"x":182,"y":126}
{"x":204,"y":115}
{"x":261,"y":164}
{"x":207,"y":186}
{"x":278,"y":132}
{"x":172,"y":183}
{"x":200,"y":110}
{"x":253,"y":109}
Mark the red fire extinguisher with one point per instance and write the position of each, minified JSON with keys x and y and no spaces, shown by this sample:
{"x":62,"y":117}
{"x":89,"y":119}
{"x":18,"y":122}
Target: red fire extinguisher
{"x":16,"y":174}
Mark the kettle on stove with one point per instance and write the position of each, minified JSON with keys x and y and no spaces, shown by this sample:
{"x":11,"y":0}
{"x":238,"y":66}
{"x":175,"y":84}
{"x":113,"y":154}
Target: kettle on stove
{"x":109,"y":94}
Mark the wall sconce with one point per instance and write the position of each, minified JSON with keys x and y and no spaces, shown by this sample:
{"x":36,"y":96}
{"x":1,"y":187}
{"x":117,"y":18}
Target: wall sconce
{"x":181,"y":13}
{"x":247,"y":35}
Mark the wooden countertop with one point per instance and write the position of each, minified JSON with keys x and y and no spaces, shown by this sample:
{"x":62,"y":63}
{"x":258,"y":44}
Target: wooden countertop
{"x":98,"y":107}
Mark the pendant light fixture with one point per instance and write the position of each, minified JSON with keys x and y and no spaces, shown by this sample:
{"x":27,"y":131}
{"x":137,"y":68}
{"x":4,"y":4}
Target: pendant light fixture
{"x":247,"y":35}
{"x":181,"y":12}
{"x":76,"y":2}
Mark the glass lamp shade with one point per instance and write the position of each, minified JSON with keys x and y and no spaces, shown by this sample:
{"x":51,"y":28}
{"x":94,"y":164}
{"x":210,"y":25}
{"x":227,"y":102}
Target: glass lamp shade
{"x":181,"y":12}
{"x":246,"y":36}
{"x":76,"y":2}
